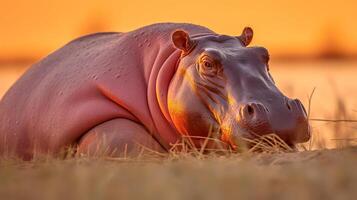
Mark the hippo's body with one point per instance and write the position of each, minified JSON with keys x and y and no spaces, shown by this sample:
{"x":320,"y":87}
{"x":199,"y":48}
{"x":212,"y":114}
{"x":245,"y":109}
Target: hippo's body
{"x":93,"y":80}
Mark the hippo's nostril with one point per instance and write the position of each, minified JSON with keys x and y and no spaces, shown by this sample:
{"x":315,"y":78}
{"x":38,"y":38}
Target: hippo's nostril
{"x":288,"y":105}
{"x":250,"y":110}
{"x":298,"y":102}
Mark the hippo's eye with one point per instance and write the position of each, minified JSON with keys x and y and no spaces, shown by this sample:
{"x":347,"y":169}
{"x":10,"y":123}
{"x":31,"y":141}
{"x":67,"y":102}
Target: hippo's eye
{"x":207,"y":65}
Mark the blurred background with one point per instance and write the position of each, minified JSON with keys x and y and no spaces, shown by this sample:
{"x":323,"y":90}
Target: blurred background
{"x":313,"y":44}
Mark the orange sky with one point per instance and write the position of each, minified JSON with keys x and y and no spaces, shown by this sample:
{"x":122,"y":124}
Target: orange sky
{"x":36,"y":27}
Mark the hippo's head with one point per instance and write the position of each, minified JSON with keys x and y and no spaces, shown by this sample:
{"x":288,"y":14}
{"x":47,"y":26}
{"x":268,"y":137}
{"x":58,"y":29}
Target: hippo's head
{"x":221,"y":83}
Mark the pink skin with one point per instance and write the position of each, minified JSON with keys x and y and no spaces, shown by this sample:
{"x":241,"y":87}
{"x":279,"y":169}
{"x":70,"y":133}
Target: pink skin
{"x":105,"y":92}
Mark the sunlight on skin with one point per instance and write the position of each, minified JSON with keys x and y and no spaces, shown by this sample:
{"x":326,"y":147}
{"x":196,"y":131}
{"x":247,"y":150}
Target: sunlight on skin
{"x":226,"y":126}
{"x":227,"y":135}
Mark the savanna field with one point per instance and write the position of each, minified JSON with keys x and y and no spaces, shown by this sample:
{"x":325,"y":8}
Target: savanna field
{"x":313,"y":49}
{"x":323,"y":168}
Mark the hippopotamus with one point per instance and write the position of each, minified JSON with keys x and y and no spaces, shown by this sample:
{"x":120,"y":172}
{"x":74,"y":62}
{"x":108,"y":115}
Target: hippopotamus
{"x":113,"y":91}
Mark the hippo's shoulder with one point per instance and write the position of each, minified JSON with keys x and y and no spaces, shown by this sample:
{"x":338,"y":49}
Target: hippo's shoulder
{"x":95,"y":36}
{"x":169,"y":27}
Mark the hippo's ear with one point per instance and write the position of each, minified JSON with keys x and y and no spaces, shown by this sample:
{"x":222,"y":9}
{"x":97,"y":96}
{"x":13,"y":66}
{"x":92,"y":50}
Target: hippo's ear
{"x":181,"y":40}
{"x":247,"y":36}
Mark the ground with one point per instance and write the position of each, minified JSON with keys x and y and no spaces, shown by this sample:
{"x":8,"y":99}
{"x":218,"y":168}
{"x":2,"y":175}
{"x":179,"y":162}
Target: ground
{"x":322,"y":174}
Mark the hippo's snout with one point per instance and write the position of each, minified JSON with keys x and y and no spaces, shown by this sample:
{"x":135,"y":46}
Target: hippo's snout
{"x":288,"y":120}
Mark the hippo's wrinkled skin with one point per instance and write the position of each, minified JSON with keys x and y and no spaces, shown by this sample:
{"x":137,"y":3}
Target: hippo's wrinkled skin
{"x":110,"y":91}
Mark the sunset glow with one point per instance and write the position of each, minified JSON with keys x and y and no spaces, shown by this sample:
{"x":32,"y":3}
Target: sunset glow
{"x":38,"y":27}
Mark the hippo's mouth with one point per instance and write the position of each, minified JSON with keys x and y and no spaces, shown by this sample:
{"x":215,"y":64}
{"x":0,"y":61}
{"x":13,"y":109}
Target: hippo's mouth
{"x":245,"y":137}
{"x":258,"y":125}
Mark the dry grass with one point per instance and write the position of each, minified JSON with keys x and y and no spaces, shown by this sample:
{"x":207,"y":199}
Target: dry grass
{"x":343,"y":135}
{"x":305,"y":175}
{"x":186,"y":172}
{"x":186,"y":149}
